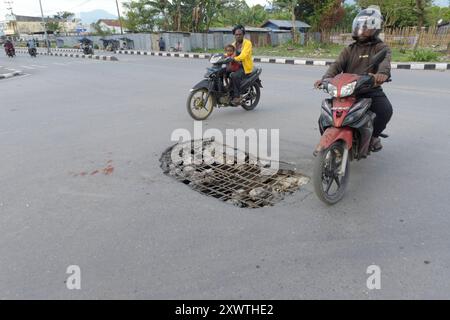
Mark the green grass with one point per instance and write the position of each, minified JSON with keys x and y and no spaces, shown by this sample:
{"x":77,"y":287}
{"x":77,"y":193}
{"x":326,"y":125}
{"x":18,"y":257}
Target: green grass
{"x":331,"y":51}
{"x":312,"y":50}
{"x":421,"y":55}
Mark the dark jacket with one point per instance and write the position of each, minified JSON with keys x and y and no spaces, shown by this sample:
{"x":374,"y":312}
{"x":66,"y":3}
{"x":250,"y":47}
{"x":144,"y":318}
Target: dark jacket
{"x":162,"y":44}
{"x":355,"y":59}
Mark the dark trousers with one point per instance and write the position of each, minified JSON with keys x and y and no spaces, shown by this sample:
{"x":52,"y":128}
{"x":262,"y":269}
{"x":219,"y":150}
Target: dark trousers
{"x":236,"y":79}
{"x":382,"y":107}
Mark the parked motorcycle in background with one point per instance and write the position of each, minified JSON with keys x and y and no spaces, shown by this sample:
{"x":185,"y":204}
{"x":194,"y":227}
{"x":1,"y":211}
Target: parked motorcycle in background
{"x":87,"y":49}
{"x":346,"y":125}
{"x":215,"y":90}
{"x":87,"y":46}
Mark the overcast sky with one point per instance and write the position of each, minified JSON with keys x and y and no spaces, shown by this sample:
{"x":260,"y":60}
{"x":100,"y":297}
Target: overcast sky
{"x":31,"y":7}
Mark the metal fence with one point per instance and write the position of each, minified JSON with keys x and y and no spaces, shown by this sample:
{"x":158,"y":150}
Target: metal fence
{"x":179,"y":41}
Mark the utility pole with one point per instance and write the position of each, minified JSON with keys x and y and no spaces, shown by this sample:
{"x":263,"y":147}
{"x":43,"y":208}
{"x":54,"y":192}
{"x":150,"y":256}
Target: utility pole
{"x":9,"y":6}
{"x":120,"y":20}
{"x":45,"y":28}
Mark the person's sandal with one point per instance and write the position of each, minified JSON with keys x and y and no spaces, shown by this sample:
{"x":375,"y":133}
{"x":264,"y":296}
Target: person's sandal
{"x":236,"y":101}
{"x":375,"y":144}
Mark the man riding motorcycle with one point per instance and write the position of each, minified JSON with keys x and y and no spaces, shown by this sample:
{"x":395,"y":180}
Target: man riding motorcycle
{"x":355,"y":59}
{"x":8,"y":45}
{"x":31,"y":45}
{"x":244,"y":54}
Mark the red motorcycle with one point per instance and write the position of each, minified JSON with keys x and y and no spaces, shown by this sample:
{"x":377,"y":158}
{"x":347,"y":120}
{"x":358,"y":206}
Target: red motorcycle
{"x":10,"y":51}
{"x":346,"y":126}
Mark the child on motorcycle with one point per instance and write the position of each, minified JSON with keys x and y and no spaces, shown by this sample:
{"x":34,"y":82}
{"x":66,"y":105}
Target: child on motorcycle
{"x":230,"y":51}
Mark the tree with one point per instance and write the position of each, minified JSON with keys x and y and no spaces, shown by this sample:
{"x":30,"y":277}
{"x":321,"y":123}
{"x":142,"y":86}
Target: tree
{"x":320,"y":14}
{"x":290,"y":6}
{"x":434,"y":14}
{"x":397,"y":13}
{"x":331,"y":14}
{"x":61,"y":18}
{"x":99,"y":30}
{"x":350,"y":12}
{"x":64,"y":15}
{"x":53,"y":26}
{"x":141,"y":15}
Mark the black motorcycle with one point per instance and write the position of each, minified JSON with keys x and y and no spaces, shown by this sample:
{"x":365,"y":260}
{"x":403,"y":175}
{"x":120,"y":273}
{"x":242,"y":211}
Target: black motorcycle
{"x":87,"y":46}
{"x":32,"y":52}
{"x":216,"y":90}
{"x":87,"y":49}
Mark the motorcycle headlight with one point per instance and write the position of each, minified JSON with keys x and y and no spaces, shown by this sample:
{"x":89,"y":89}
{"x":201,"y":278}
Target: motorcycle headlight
{"x":215,"y":58}
{"x":348,"y":89}
{"x":332,"y":90}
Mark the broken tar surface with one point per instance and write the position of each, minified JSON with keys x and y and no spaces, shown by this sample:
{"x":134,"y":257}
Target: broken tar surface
{"x":230,"y":175}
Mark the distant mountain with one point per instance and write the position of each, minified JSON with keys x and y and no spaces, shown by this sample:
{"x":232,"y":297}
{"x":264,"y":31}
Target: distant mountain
{"x":93,"y":16}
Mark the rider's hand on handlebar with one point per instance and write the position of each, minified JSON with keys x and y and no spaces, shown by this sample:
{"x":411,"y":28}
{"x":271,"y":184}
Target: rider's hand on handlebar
{"x":379,"y":78}
{"x":317,"y":84}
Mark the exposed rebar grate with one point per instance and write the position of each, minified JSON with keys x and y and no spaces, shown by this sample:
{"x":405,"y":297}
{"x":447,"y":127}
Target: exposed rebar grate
{"x":244,"y":183}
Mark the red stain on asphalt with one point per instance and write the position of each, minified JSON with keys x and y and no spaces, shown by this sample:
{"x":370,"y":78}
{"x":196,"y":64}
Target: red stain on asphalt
{"x":107,"y":171}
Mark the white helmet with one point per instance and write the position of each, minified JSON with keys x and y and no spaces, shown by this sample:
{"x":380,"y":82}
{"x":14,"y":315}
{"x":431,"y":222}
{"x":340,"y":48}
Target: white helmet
{"x":367,"y":24}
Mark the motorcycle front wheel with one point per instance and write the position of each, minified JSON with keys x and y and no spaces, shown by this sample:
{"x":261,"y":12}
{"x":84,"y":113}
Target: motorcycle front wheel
{"x":253,"y":95}
{"x":328,"y":184}
{"x":197,"y":107}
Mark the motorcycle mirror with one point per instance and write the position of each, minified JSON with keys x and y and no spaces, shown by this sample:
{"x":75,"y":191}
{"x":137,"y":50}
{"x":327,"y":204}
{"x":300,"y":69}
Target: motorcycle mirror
{"x":377,"y":58}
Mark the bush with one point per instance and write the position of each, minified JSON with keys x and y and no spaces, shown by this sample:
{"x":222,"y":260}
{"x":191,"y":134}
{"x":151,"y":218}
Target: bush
{"x":423,"y":55}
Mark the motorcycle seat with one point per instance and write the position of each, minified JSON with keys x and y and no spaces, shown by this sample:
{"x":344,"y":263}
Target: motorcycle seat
{"x":256,"y":71}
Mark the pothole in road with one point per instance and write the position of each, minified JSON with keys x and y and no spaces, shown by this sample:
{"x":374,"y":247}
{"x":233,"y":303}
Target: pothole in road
{"x":241,"y":181}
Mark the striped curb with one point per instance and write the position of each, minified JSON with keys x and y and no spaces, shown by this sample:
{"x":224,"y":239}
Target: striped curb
{"x":72,"y":55}
{"x":52,"y":49}
{"x":10,"y":75}
{"x":299,"y":61}
{"x":59,"y":50}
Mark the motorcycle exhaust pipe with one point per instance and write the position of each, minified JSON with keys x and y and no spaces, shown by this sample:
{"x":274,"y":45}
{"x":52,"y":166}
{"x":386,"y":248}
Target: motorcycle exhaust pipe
{"x":344,"y":163}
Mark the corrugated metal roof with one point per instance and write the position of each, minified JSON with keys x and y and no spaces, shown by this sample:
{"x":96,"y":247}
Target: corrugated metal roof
{"x":287,"y":23}
{"x":29,"y":19}
{"x":110,"y":22}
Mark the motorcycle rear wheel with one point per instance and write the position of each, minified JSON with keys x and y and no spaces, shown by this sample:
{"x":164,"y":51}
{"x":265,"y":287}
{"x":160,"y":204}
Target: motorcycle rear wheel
{"x":195,"y":104}
{"x":326,"y":167}
{"x":252,"y":101}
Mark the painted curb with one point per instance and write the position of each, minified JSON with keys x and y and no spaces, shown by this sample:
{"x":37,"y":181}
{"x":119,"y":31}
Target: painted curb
{"x":295,"y":61}
{"x":40,"y":49}
{"x":75,"y":55}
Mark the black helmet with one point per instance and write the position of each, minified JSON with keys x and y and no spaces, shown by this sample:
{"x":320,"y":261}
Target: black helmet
{"x":239,"y":27}
{"x":367,"y":24}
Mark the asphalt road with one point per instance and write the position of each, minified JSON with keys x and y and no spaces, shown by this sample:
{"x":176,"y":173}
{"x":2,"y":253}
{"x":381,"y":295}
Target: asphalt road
{"x":80,"y":143}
